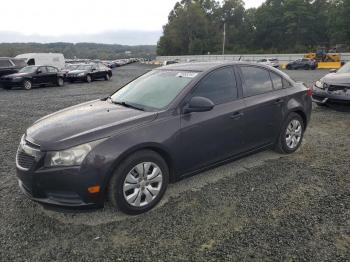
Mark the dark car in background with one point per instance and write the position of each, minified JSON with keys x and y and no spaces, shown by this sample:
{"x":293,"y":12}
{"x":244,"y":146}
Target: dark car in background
{"x":30,"y":76}
{"x":10,"y":65}
{"x":170,"y":123}
{"x":303,"y":63}
{"x":89,"y":72}
{"x":333,"y":88}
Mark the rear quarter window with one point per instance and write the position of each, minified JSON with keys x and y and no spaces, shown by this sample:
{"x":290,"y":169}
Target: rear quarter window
{"x":277,"y":81}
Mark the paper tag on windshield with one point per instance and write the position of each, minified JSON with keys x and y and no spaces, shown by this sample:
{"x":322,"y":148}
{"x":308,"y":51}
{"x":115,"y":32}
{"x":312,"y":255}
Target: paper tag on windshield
{"x":187,"y":74}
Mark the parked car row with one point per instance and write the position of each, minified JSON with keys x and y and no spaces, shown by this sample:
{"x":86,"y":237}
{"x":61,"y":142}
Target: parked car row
{"x":30,"y":76}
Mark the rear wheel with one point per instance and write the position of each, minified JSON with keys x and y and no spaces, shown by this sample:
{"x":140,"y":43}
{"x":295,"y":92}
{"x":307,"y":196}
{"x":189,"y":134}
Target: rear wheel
{"x":291,"y":134}
{"x":88,"y":79}
{"x":27,"y":84}
{"x":321,"y":104}
{"x":60,"y":81}
{"x":139,"y":182}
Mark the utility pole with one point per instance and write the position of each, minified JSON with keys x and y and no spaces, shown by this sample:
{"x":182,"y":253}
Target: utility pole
{"x":224,"y":40}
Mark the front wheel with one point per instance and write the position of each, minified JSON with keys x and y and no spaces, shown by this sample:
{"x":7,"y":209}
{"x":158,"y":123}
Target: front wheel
{"x":139,"y":182}
{"x":27,"y":84}
{"x":107,"y":77}
{"x":291,"y":134}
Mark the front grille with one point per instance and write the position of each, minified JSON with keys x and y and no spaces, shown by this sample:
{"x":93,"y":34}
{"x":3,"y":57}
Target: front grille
{"x":338,"y":88}
{"x":24,"y":160}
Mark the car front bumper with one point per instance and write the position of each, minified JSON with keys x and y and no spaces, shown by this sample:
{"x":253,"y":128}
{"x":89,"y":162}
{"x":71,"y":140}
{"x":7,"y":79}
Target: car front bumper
{"x":322,"y":96}
{"x":11,"y":83}
{"x":58,"y":187}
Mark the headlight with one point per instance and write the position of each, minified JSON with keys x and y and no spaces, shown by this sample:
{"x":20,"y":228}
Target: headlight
{"x":81,"y":74}
{"x":319,"y":84}
{"x":70,"y":157}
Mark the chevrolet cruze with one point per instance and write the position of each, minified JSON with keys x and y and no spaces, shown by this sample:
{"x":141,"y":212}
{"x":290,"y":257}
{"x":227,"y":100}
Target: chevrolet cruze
{"x":170,"y":123}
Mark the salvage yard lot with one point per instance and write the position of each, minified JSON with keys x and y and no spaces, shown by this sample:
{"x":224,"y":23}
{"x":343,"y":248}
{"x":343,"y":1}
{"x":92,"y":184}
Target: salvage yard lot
{"x":265,"y":206}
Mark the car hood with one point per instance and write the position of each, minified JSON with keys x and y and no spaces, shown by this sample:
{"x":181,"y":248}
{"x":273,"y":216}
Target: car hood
{"x":337,"y":79}
{"x":84,"y":123}
{"x":17,"y":75}
{"x":78,"y":71}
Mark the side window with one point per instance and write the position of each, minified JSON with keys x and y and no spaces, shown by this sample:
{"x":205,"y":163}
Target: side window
{"x":43,"y":69}
{"x":31,"y":61}
{"x":276,"y":81}
{"x":286,"y":83}
{"x":52,"y":70}
{"x":5,"y":63}
{"x":256,"y":81}
{"x":220,"y":86}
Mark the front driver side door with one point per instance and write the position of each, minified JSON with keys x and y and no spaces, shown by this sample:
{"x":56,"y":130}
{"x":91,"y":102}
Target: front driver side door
{"x":208,"y":137}
{"x":40,"y":77}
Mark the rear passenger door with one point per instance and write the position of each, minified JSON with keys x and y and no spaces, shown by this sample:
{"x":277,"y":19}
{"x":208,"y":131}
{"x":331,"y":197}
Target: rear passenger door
{"x":264,"y":98}
{"x":208,"y":137}
{"x":52,"y":74}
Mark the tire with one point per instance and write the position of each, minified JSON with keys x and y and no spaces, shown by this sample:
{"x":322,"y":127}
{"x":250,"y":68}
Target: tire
{"x":6,"y":87}
{"x":285,"y":143}
{"x":27,"y":84}
{"x":107,"y":77}
{"x":320,"y":104}
{"x":119,"y":190}
{"x":60,"y":81}
{"x":88,"y":79}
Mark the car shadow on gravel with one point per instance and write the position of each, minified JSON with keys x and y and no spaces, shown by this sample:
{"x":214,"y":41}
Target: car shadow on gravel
{"x":194,"y":183}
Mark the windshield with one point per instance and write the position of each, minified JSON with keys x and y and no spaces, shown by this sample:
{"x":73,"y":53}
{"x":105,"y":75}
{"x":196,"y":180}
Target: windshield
{"x":28,"y":69}
{"x":155,"y":89}
{"x":72,"y":67}
{"x":344,"y":69}
{"x":84,"y":67}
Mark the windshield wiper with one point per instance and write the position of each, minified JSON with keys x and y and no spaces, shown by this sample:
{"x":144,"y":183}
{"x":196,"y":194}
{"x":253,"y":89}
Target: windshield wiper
{"x":126,"y":104}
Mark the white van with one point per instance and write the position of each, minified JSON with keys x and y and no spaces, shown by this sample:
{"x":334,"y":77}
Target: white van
{"x":49,"y":59}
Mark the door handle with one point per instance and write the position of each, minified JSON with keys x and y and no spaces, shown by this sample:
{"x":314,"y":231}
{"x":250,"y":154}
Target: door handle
{"x":236,"y":115}
{"x":279,"y":102}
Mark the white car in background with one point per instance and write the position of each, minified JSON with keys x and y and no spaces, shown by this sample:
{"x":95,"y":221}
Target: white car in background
{"x":270,"y":62}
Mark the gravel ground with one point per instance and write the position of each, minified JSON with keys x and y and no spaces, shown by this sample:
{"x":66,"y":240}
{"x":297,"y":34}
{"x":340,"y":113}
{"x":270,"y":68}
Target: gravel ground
{"x":263,"y":207}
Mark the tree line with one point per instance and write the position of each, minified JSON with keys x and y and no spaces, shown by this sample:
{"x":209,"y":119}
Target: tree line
{"x":79,"y":50}
{"x":196,"y":27}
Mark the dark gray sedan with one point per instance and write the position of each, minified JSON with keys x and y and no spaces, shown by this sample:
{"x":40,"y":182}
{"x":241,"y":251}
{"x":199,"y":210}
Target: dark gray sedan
{"x":333,"y":88}
{"x":168,"y":124}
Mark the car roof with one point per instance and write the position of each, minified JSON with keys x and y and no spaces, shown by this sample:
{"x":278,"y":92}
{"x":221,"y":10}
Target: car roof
{"x":203,"y":66}
{"x":208,"y":66}
{"x":197,"y":66}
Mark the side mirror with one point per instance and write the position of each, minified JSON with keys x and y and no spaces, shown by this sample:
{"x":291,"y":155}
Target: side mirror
{"x":38,"y":71}
{"x":94,"y":69}
{"x":199,"y":104}
{"x":333,"y":70}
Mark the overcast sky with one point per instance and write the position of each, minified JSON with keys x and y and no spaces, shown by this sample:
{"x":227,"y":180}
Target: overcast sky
{"x":85,"y":17}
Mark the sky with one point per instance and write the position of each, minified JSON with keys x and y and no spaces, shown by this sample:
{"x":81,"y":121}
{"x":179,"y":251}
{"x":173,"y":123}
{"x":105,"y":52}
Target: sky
{"x":92,"y":20}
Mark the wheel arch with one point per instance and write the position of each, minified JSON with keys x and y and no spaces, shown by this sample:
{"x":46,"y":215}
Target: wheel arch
{"x":302,"y":114}
{"x":157,"y":148}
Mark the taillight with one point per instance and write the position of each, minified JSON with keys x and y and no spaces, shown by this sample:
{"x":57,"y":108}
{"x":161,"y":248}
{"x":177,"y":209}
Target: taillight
{"x":309,"y":91}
